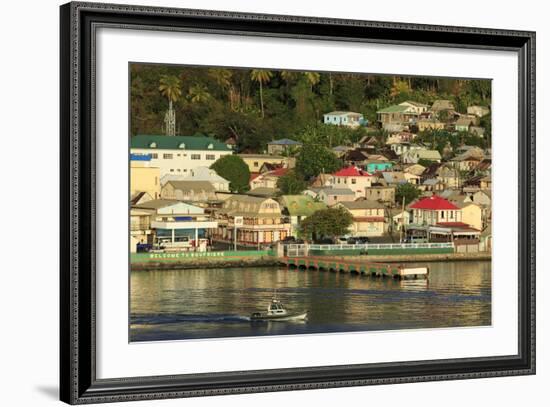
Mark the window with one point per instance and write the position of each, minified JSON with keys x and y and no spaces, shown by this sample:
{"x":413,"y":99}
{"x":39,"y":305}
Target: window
{"x":210,"y":157}
{"x":353,"y":181}
{"x":195,"y":156}
{"x":451,"y":214}
{"x":168,"y":156}
{"x":442,"y":214}
{"x":255,"y":163}
{"x":154,"y":155}
{"x":171,"y":170}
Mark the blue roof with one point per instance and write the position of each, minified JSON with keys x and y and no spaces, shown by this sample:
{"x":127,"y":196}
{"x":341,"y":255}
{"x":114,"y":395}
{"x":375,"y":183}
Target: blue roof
{"x":285,"y":142}
{"x":140,"y":157}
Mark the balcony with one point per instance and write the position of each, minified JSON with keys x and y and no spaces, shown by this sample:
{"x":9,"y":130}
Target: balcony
{"x":192,"y":224}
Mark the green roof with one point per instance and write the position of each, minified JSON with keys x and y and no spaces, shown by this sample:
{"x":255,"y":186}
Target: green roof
{"x":393,"y":109}
{"x":301,"y":205}
{"x":177,"y":143}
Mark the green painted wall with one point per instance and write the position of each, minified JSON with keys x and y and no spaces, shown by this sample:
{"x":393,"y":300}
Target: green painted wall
{"x":191,"y":256}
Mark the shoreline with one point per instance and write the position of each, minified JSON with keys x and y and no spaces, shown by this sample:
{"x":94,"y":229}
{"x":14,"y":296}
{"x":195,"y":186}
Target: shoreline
{"x":271,"y":261}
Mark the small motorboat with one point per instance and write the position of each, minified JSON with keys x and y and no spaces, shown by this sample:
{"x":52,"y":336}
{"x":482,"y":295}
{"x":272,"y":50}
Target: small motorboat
{"x":277,"y":312}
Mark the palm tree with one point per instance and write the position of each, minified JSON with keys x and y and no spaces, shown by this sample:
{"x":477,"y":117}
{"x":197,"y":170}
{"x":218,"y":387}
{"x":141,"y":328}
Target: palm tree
{"x":261,"y":76}
{"x":198,"y":93}
{"x":312,"y":78}
{"x":170,"y":87}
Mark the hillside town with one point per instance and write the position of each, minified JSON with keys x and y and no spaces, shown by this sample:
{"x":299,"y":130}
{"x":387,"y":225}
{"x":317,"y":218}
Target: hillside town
{"x":417,"y":175}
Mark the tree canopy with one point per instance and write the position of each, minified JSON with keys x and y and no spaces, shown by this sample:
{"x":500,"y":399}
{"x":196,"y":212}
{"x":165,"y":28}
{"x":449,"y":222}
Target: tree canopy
{"x":326,"y":223}
{"x":233,"y":169}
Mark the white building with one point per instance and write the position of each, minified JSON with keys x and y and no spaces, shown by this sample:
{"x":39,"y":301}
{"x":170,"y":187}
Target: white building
{"x":178,"y":155}
{"x":350,"y":119}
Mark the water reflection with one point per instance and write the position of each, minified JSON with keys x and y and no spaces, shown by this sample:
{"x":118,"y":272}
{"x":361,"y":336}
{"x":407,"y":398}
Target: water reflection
{"x":167,"y":305}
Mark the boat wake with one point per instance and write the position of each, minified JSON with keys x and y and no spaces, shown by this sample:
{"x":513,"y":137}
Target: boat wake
{"x":161,"y":319}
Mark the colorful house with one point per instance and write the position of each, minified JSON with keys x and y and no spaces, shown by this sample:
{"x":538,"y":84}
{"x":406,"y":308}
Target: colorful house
{"x":354,"y":178}
{"x":433,"y":210}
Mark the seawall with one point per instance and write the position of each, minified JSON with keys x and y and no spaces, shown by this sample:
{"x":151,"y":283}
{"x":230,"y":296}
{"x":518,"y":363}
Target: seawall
{"x":264,"y":259}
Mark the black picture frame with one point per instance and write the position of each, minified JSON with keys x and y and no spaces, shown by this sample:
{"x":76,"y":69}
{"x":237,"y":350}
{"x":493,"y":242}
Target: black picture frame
{"x":78,"y":382}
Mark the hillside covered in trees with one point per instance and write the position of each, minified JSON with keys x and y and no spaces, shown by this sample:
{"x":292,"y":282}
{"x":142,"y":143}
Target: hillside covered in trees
{"x":256,"y":106}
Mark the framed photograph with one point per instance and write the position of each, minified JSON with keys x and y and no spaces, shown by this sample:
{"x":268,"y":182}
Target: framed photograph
{"x":255,"y":203}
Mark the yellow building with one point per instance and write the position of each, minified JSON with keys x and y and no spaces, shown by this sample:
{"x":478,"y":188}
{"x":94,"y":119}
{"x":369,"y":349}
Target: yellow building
{"x":472,"y":215}
{"x":255,"y":161}
{"x":368,"y":217}
{"x":144,"y":178}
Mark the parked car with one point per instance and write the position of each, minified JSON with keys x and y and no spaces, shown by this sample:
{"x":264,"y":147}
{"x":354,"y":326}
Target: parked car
{"x":358,"y":240}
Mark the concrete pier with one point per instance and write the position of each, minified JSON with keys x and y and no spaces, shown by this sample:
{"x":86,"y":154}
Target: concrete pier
{"x":357,"y":266}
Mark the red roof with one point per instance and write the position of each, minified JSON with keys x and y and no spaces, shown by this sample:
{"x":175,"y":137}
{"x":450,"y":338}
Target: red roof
{"x":433,"y":203}
{"x":253,"y":176}
{"x":279,"y":172}
{"x":351,"y":172}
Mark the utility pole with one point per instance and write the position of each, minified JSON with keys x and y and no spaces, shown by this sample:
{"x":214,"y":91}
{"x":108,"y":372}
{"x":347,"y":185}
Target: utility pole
{"x":402,"y":220}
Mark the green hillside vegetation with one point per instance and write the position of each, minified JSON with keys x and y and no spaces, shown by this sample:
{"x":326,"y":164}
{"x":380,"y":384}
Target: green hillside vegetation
{"x":256,"y":106}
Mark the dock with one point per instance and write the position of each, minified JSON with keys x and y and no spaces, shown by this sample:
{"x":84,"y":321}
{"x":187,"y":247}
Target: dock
{"x":355,"y":266}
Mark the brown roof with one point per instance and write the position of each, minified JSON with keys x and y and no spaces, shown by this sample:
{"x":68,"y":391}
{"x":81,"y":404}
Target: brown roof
{"x":192,"y":185}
